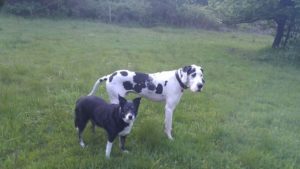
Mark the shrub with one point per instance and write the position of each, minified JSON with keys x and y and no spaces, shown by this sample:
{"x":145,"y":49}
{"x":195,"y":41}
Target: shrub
{"x":145,"y":12}
{"x":197,"y":15}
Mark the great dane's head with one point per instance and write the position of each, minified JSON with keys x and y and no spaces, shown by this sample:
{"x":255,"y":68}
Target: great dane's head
{"x":192,"y":77}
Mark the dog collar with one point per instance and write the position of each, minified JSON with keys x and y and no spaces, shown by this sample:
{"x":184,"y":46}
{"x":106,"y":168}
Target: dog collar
{"x":183,"y":86}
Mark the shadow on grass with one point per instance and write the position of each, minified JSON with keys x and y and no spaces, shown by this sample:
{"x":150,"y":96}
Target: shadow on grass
{"x":279,"y":57}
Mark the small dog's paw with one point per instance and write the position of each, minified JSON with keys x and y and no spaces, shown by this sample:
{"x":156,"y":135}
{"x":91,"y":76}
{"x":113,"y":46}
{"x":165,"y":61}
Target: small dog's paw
{"x":82,"y":144}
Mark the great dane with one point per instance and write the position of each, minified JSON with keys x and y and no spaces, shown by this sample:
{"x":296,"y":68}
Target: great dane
{"x":165,"y":86}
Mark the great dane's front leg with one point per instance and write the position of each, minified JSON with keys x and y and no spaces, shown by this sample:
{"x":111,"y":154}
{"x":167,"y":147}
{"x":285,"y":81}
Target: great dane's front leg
{"x":168,"y":121}
{"x":171,"y":103}
{"x":169,"y":109}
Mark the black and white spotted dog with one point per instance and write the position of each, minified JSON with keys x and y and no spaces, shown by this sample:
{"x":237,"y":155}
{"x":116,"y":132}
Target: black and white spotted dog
{"x":165,"y":86}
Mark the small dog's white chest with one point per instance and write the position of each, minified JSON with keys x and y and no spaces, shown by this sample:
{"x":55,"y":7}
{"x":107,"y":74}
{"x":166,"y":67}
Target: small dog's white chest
{"x":126,"y":130}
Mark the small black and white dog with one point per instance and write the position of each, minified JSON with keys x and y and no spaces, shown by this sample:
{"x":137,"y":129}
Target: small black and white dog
{"x":116,"y":119}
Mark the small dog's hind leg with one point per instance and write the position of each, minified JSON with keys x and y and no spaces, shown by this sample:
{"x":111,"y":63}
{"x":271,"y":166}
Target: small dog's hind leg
{"x":80,"y":138}
{"x":93,"y":126}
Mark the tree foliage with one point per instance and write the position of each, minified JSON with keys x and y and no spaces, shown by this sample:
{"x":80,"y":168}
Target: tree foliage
{"x":1,"y":3}
{"x":285,"y":13}
{"x":146,"y":12}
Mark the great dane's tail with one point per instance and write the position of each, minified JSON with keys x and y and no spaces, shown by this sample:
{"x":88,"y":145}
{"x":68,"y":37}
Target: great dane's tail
{"x":97,"y":84}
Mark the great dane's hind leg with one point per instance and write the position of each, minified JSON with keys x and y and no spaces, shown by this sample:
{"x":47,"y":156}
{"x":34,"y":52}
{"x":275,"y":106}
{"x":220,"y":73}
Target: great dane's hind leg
{"x":114,"y":95}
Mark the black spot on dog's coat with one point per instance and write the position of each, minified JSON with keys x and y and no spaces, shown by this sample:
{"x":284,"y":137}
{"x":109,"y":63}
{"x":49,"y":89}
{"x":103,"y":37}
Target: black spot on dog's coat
{"x":166,"y":82}
{"x":124,"y":73}
{"x":101,"y":80}
{"x":141,"y":79}
{"x":159,"y":89}
{"x":191,"y":71}
{"x":151,"y":86}
{"x":186,"y":68}
{"x":128,"y":85}
{"x":138,"y":87}
{"x":112,"y":76}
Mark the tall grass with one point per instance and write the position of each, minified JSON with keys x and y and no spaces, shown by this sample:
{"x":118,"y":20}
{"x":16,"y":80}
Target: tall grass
{"x":246,"y":117}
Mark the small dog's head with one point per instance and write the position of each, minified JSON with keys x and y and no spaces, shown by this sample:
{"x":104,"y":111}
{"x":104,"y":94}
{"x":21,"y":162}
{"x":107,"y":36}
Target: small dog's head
{"x":129,"y":109}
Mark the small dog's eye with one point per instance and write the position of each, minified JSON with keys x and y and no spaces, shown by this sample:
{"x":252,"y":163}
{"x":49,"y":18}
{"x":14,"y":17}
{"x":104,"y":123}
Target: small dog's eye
{"x":194,"y":75}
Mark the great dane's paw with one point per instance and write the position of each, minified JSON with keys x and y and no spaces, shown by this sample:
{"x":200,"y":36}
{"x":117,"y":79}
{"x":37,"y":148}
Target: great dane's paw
{"x":169,"y":135}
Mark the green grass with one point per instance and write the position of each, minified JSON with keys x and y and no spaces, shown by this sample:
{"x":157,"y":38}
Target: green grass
{"x":247,"y":116}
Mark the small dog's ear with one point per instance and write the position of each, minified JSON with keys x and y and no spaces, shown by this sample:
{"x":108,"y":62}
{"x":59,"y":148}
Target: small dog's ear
{"x":122,"y":101}
{"x":136,"y":103}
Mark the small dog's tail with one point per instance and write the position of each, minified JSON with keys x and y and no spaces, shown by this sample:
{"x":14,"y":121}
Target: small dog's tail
{"x":97,"y":83}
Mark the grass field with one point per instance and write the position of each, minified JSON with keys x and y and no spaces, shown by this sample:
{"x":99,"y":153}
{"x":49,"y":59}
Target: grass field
{"x":247,"y":117}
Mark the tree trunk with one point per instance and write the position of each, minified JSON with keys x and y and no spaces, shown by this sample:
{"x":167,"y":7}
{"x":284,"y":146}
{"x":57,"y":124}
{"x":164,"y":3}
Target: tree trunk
{"x":281,"y":21}
{"x":109,"y":12}
{"x":290,"y":26}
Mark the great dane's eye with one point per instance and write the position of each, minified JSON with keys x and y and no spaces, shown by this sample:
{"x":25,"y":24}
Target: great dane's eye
{"x":194,"y":75}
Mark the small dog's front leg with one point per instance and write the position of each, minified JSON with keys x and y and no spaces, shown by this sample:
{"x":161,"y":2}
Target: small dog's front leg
{"x":108,"y":149}
{"x":122,"y":144}
{"x":111,"y":138}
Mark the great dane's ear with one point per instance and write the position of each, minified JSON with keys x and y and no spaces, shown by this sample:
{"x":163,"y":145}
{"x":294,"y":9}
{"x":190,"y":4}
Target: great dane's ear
{"x":184,"y":74}
{"x":189,"y":69}
{"x":186,"y":69}
{"x":122,"y":101}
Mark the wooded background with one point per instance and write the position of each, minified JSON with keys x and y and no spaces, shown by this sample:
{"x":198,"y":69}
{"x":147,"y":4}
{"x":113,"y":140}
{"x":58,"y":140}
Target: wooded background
{"x":282,"y":15}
